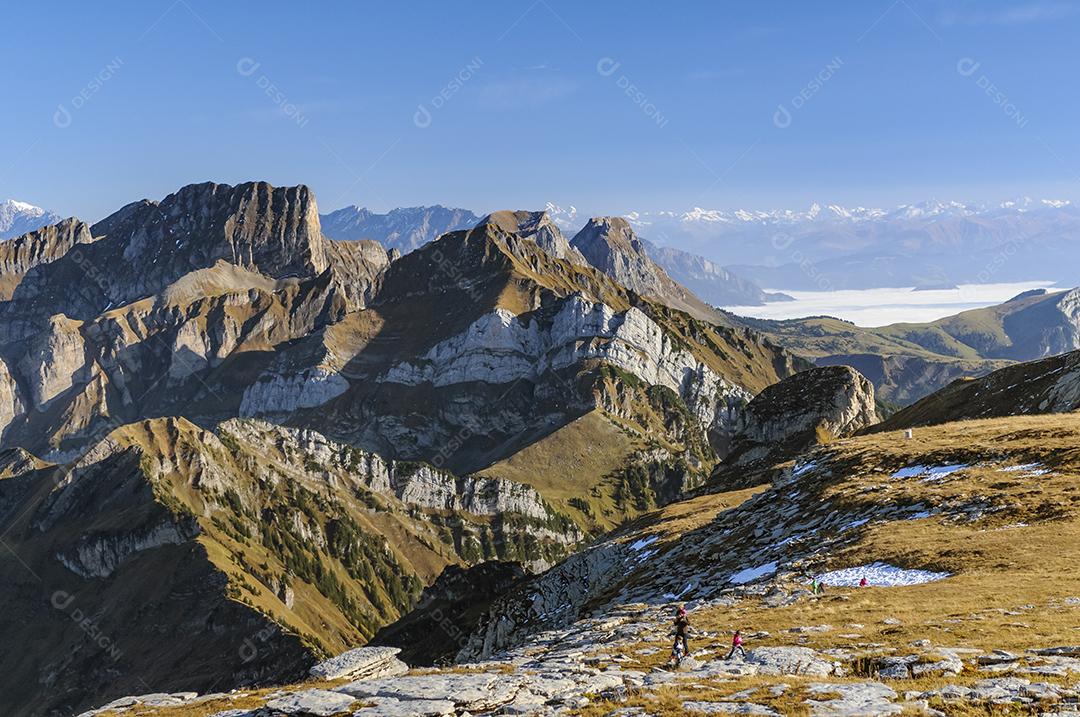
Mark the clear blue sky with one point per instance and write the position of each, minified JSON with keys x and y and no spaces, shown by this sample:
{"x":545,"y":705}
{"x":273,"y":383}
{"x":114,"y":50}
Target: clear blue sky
{"x":106,"y":103}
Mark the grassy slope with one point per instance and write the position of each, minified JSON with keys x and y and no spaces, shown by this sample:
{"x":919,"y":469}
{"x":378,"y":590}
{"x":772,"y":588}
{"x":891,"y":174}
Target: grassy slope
{"x":1013,"y":567}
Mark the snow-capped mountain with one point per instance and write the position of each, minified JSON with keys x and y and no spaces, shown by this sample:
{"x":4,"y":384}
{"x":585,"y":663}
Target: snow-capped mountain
{"x":18,"y":218}
{"x":828,"y":246}
{"x":816,"y":212}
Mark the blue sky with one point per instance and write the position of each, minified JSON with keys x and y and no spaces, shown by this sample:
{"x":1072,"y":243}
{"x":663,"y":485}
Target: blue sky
{"x":609,"y":106}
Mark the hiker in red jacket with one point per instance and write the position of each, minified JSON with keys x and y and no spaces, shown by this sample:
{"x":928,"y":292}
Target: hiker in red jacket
{"x":864,"y":582}
{"x":736,"y":644}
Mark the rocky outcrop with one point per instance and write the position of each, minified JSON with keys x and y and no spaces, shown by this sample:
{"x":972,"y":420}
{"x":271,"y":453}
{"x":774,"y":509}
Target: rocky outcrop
{"x":42,"y":246}
{"x":11,"y":403}
{"x":282,"y":393}
{"x":98,"y":556}
{"x":54,"y":360}
{"x":802,"y":410}
{"x":550,"y":601}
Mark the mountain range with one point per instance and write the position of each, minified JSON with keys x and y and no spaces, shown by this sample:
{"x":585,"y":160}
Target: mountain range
{"x":204,"y":396}
{"x":232,"y":446}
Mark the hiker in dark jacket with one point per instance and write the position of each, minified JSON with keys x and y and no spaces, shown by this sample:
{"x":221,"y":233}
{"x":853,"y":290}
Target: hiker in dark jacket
{"x":682,"y":627}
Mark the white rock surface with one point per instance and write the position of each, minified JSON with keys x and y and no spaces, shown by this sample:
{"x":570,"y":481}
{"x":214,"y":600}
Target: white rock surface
{"x":361,"y":663}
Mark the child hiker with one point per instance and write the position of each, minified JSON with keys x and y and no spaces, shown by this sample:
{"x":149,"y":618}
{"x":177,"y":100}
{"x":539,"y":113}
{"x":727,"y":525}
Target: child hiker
{"x":736,"y":645}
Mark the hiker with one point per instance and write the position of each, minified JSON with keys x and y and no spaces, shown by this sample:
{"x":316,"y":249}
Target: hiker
{"x":682,"y":627}
{"x":864,"y":582}
{"x":736,"y":644}
{"x":816,"y":587}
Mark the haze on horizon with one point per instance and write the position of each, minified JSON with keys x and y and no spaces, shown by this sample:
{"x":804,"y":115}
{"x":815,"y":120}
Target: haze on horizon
{"x":517,"y":104}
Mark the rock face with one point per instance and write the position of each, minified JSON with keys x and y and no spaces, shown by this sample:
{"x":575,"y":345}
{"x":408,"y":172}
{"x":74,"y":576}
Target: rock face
{"x":796,"y":413}
{"x":610,"y":244}
{"x":41,"y":246}
{"x":357,"y":268}
{"x":501,"y":348}
{"x":274,"y":231}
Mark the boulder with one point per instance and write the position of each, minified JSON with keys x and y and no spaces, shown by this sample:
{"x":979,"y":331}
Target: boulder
{"x":790,"y":661}
{"x":317,"y":703}
{"x":857,"y":699}
{"x":360,"y":664}
{"x":798,"y":412}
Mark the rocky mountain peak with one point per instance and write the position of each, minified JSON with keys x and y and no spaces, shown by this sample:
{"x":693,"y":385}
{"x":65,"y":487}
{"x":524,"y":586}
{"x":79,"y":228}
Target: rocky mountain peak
{"x":254,"y":225}
{"x":146,"y":246}
{"x":538,"y":227}
{"x":609,"y":241}
{"x":611,"y":245}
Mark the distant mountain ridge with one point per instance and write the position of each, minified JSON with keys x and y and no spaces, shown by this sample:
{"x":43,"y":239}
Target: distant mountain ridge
{"x":834,"y":247}
{"x":404,"y":229}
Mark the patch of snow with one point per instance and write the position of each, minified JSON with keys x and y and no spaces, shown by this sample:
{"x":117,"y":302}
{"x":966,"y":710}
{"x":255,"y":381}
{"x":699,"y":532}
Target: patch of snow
{"x":641,"y":544}
{"x":920,"y":515}
{"x":803,"y":468}
{"x":750,"y":574}
{"x":880,"y":575}
{"x":856,"y":524}
{"x":929,"y":474}
{"x":1028,"y":470}
{"x":1021,"y":467}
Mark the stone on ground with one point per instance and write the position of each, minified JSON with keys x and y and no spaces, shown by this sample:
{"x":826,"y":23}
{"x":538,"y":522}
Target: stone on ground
{"x":361,"y":663}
